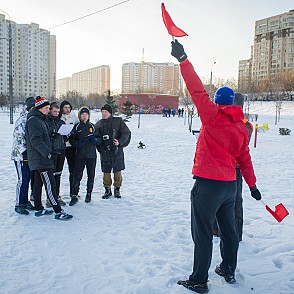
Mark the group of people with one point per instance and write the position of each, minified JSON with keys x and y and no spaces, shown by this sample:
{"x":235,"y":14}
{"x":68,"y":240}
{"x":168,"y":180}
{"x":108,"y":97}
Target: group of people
{"x":40,"y":149}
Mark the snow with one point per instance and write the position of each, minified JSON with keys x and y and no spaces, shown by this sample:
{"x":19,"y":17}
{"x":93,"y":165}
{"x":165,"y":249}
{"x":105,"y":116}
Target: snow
{"x":141,"y":243}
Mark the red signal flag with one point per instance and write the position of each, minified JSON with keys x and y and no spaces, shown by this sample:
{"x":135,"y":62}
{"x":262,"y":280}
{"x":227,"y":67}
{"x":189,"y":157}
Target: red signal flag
{"x":171,"y":27}
{"x":280,"y":212}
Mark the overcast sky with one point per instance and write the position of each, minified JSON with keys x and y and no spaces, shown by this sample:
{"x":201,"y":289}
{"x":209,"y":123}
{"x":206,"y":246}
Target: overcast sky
{"x":220,"y":31}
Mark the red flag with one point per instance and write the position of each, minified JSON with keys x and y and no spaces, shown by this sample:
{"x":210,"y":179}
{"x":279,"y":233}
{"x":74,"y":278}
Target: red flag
{"x":280,"y":213}
{"x":171,"y":27}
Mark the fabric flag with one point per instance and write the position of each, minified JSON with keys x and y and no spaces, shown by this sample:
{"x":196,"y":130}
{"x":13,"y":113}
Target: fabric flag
{"x":171,"y":27}
{"x":280,"y":213}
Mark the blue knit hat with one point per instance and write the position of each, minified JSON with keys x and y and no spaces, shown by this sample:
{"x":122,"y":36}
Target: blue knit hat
{"x":224,"y":95}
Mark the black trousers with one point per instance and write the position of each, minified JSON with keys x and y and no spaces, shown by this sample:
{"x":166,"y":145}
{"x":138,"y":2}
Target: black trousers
{"x":239,"y":205}
{"x":210,"y":199}
{"x":58,"y":167}
{"x":80,"y":164}
{"x":46,"y":178}
{"x":70,"y":154}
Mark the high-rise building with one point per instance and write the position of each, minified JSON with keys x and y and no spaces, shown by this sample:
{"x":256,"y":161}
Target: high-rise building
{"x":272,"y":52}
{"x":95,"y":80}
{"x":33,"y":60}
{"x":150,"y":77}
{"x":63,"y":86}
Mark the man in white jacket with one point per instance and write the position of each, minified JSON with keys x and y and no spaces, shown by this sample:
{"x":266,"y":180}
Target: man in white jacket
{"x":69,"y":117}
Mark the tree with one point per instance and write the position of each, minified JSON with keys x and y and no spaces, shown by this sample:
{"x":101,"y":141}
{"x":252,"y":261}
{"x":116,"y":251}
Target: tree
{"x":110,"y":100}
{"x":127,"y":108}
{"x":3,"y":100}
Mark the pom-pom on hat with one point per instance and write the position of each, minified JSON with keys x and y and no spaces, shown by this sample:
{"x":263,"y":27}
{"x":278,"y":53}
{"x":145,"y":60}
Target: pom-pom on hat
{"x":41,"y":102}
{"x":107,"y":107}
{"x":224,"y":95}
{"x":30,"y":102}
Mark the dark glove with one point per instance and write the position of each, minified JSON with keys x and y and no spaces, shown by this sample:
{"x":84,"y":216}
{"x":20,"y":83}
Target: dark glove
{"x":25,"y":155}
{"x":53,"y":155}
{"x":255,"y":193}
{"x":94,"y":140}
{"x":178,"y":51}
{"x":54,"y":135}
{"x":65,"y":138}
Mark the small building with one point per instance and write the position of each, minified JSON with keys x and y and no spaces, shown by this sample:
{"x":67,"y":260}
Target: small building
{"x":150,"y":103}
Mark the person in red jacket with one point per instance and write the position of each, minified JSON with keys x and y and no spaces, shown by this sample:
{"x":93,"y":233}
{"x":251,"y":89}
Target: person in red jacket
{"x":222,"y":143}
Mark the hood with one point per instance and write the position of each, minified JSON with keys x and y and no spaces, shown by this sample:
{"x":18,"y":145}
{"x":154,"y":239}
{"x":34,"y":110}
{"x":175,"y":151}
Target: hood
{"x":64,"y":102}
{"x":35,"y":112}
{"x":82,"y":108}
{"x":234,"y":111}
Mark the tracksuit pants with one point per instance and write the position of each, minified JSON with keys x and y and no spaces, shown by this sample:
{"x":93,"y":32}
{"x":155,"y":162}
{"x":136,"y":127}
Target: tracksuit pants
{"x":24,"y":175}
{"x":210,"y":199}
{"x":80,"y":164}
{"x":46,"y":178}
{"x":70,"y":154}
{"x":58,"y":167}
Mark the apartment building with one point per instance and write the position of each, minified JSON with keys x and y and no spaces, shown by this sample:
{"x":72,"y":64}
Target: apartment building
{"x":33,"y":60}
{"x":272,"y":51}
{"x":63,"y":86}
{"x":150,"y":77}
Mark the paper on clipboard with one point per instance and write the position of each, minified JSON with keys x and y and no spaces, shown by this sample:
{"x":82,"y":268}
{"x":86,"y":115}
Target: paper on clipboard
{"x":65,"y":129}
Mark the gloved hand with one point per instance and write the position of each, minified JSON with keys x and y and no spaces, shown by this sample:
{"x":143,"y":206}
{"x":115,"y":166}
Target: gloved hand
{"x":255,"y":193}
{"x":53,"y":155}
{"x":54,"y":135}
{"x":178,"y":51}
{"x":25,"y":156}
{"x":65,"y":138}
{"x":94,"y":140}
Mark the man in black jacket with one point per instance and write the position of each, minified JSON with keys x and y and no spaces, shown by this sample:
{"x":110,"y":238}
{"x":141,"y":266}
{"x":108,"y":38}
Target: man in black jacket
{"x":40,"y":158}
{"x":58,"y":145}
{"x":84,"y":137}
{"x":115,"y":136}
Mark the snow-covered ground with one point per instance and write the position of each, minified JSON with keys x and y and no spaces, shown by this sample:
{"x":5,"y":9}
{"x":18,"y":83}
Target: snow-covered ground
{"x":141,"y":243}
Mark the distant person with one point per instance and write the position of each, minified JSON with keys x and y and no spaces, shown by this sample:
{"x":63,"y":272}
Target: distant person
{"x":115,"y":136}
{"x":174,"y":111}
{"x":58,"y":145}
{"x":182,"y":112}
{"x":222,"y":143}
{"x":20,"y":157}
{"x":84,"y":137}
{"x":179,"y":112}
{"x":69,"y":117}
{"x":41,"y":159}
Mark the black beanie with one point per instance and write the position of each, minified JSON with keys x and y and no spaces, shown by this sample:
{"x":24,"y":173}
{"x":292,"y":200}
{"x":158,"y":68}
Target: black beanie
{"x":107,"y":107}
{"x":30,"y":102}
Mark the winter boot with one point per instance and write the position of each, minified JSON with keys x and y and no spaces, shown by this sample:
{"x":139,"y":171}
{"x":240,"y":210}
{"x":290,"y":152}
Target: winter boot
{"x":43,"y":212}
{"x":29,"y":206}
{"x":107,"y":193}
{"x":88,"y":198}
{"x":229,"y":278}
{"x":117,"y":192}
{"x":74,"y":199}
{"x":21,"y":210}
{"x":48,"y":203}
{"x":61,"y":202}
{"x":62,"y":215}
{"x":198,"y":288}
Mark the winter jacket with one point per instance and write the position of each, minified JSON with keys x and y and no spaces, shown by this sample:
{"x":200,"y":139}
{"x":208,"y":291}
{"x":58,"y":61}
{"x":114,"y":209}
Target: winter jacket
{"x":111,"y":156}
{"x":69,"y":119}
{"x":19,"y":146}
{"x":57,"y":140}
{"x":82,"y":137}
{"x":38,"y":141}
{"x":223,"y":139}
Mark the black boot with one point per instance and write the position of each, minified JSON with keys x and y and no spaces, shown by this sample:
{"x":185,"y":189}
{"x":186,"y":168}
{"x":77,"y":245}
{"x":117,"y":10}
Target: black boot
{"x":117,"y":192}
{"x":88,"y":198}
{"x":74,"y":199}
{"x":107,"y":193}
